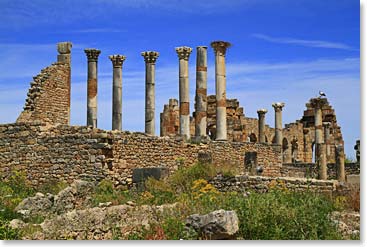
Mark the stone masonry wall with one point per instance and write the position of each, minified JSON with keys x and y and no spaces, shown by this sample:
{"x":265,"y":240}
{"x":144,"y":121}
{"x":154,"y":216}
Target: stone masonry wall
{"x":260,"y":184}
{"x":76,"y":152}
{"x":48,"y":99}
{"x":309,"y":170}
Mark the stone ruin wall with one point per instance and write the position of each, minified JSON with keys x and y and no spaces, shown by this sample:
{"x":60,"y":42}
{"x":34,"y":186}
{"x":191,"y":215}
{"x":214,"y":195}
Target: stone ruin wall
{"x":48,"y":99}
{"x":67,"y":153}
{"x":298,"y":137}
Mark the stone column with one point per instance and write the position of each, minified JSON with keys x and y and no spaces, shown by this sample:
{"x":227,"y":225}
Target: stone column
{"x":327,"y":126}
{"x":261,"y":113}
{"x":64,"y":56}
{"x":150,"y":57}
{"x":117,"y":61}
{"x":278,"y":122}
{"x":183,"y":55}
{"x":92,"y":55}
{"x":201,"y":91}
{"x":321,"y":162}
{"x":220,"y":48}
{"x":64,"y":50}
{"x":339,"y":160}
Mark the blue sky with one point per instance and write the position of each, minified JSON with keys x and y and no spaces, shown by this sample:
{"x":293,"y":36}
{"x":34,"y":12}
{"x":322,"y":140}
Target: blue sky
{"x":283,"y":50}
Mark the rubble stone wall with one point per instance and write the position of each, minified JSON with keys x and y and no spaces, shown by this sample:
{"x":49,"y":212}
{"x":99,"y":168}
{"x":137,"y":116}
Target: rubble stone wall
{"x":309,"y":170}
{"x":259,"y":184}
{"x":67,"y":153}
{"x":48,"y":99}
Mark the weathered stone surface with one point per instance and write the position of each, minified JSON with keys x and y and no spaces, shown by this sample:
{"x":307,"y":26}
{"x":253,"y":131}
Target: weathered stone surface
{"x":74,"y":196}
{"x":100,"y":223}
{"x":141,"y":174}
{"x":219,"y":224}
{"x":17,"y":224}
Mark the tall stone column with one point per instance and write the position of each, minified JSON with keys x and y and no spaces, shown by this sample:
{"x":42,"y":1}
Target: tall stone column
{"x":339,"y":160}
{"x":183,"y":55}
{"x":64,"y":56}
{"x":261,"y":113}
{"x":278,"y":122}
{"x":327,"y":126}
{"x":92,"y":55}
{"x":220,"y":48}
{"x":201,"y":102}
{"x":321,"y":162}
{"x":117,"y":61}
{"x":150,"y":57}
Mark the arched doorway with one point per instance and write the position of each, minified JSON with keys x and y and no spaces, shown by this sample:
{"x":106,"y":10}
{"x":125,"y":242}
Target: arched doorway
{"x":253,"y":138}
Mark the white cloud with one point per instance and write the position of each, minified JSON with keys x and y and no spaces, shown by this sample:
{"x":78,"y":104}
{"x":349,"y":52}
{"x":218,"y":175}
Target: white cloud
{"x":302,"y":42}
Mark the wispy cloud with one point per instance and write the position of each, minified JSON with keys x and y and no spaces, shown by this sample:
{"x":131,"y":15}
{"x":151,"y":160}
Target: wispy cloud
{"x":255,"y":85}
{"x":98,"y":30}
{"x":302,"y":42}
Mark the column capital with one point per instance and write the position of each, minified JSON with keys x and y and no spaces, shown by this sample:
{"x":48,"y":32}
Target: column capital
{"x":220,"y":47}
{"x":92,"y":54}
{"x":318,"y":103}
{"x":278,"y":106}
{"x":262,"y":111}
{"x":150,"y":56}
{"x":64,"y":47}
{"x":183,"y":52}
{"x":326,"y":124}
{"x":117,"y":60}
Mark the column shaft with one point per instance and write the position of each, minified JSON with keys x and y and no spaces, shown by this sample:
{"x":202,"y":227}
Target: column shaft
{"x":220,"y":48}
{"x":261,"y":124}
{"x":339,"y":160}
{"x":117,"y":61}
{"x":278,"y":123}
{"x":150,"y":98}
{"x":184,"y":54}
{"x":150,"y":58}
{"x":201,"y":92}
{"x":92,"y":55}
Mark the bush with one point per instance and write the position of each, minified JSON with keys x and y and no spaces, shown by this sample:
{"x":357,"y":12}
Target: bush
{"x":6,"y":232}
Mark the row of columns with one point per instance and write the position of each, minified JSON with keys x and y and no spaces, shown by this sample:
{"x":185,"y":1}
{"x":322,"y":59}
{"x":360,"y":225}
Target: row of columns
{"x":150,"y":58}
{"x":320,"y":143}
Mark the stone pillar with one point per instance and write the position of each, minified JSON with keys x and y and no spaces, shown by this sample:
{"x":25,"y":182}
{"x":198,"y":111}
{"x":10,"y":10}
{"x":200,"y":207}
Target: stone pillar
{"x":92,"y":55}
{"x":278,"y":122}
{"x":327,"y":126}
{"x":339,"y":160}
{"x":320,"y":158}
{"x":201,"y":102}
{"x":64,"y":50}
{"x":261,"y":113}
{"x":117,"y":61}
{"x":64,"y":56}
{"x":220,"y":48}
{"x":150,"y":58}
{"x":183,"y":55}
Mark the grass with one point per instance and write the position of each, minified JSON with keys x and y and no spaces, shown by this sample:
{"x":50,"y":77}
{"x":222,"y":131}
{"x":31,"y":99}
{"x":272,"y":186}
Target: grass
{"x":278,"y":214}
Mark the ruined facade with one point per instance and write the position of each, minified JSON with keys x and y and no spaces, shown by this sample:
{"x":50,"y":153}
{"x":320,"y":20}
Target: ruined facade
{"x":298,"y":138}
{"x":43,"y":144}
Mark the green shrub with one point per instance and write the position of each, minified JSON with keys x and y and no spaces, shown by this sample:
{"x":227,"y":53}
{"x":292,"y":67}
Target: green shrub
{"x":6,"y":232}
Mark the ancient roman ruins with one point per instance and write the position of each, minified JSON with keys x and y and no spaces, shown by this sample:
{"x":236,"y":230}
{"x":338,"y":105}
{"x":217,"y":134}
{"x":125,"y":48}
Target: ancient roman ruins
{"x":44,"y":145}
